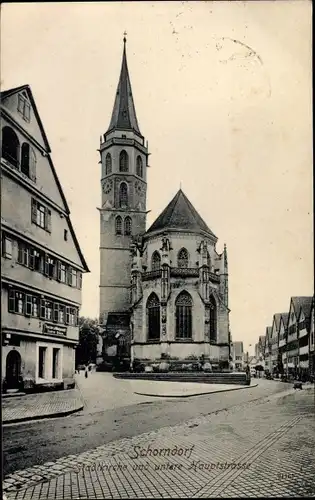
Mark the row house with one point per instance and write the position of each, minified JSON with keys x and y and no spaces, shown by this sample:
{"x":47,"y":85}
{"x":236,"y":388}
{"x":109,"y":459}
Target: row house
{"x":260,"y":348}
{"x":283,"y":332}
{"x":296,"y":354}
{"x":274,"y":343}
{"x":267,"y":349}
{"x":238,"y":356}
{"x":41,"y":260}
{"x":312,"y":343}
{"x":289,"y":342}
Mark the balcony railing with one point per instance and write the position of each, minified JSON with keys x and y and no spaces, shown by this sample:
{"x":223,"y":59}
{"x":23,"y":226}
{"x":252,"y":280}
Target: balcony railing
{"x":180,"y":272}
{"x":151,"y":275}
{"x":185,"y":271}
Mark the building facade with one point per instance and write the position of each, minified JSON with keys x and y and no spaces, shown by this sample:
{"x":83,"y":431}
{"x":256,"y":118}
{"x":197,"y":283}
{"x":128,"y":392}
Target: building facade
{"x":289,"y":347}
{"x":260,"y":347}
{"x":167,"y":287}
{"x":41,"y":260}
{"x":275,"y":358}
{"x":179,"y":289}
{"x":283,"y":335}
{"x":267,"y":350}
{"x":238,"y":356}
{"x":312,"y":343}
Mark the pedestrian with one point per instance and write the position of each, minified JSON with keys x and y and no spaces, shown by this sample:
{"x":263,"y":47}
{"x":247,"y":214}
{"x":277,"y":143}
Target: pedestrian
{"x":86,"y":372}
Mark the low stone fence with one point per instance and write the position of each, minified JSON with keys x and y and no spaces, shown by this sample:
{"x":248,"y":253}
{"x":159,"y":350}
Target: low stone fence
{"x":239,"y":378}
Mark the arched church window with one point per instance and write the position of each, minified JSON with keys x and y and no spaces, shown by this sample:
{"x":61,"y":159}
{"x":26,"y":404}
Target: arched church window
{"x":139,"y":166}
{"x":182,"y":258}
{"x":183,"y":316}
{"x":128,"y":226}
{"x":108,"y":164}
{"x":155,"y":261}
{"x":123,"y":195}
{"x":153,"y":317}
{"x":213,"y":320}
{"x":10,"y":146}
{"x":118,"y":225}
{"x":123,"y":161}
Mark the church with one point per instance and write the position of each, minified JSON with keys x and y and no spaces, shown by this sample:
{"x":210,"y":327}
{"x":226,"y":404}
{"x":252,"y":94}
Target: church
{"x":163,"y":290}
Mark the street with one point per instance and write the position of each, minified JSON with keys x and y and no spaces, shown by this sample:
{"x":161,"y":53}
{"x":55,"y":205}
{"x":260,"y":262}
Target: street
{"x":112,"y":412}
{"x":252,"y":442}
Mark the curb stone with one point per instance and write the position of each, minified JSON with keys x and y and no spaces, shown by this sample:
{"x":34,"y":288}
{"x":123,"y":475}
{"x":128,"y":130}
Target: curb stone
{"x":195,"y":394}
{"x":41,"y":417}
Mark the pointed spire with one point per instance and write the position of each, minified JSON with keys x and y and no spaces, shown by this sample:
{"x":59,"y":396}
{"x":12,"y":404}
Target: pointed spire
{"x":124,"y":114}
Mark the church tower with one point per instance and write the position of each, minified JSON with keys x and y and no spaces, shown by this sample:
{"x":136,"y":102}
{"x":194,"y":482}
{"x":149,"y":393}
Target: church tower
{"x":124,"y":156}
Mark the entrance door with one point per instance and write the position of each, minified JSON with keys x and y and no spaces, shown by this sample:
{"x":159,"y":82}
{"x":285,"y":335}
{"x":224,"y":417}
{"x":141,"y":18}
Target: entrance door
{"x":13,"y":369}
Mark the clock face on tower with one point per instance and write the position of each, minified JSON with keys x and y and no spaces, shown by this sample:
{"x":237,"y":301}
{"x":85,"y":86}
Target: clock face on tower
{"x":107,"y":186}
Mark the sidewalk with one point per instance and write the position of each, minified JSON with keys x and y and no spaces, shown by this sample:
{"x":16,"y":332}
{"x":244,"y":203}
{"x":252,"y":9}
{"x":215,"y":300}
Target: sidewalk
{"x":262,"y":448}
{"x":41,"y":405}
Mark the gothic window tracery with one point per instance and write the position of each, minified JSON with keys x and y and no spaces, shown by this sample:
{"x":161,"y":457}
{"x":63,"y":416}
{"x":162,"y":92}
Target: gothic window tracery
{"x":182,"y":258}
{"x":123,"y":195}
{"x":127,"y":226}
{"x":123,"y":161}
{"x":155,"y":261}
{"x":153,"y":317}
{"x":108,"y":164}
{"x":118,"y":225}
{"x":183,"y":316}
{"x":139,"y":166}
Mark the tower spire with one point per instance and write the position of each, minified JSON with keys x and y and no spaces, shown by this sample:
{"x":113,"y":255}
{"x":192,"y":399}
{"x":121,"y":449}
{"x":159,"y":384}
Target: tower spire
{"x":124,"y":114}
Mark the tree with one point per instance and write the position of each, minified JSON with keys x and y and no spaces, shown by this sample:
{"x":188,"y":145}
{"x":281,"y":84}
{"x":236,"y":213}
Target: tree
{"x":88,"y":339}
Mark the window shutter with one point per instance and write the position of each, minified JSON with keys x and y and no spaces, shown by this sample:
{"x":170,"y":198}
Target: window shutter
{"x":11,"y":304}
{"x":31,"y":262}
{"x":46,"y":267}
{"x":69,"y":276}
{"x":34,"y":210}
{"x":32,"y":165}
{"x":56,"y":312}
{"x":67,"y":315}
{"x":55,"y":270}
{"x":28,"y":310}
{"x":58,"y":270}
{"x":48,"y":220}
{"x":42,"y":313}
{"x":79,"y":280}
{"x":20,"y":253}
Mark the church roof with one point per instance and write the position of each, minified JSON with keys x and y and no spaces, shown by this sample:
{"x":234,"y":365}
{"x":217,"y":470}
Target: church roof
{"x":124,"y":113}
{"x":180,"y":214}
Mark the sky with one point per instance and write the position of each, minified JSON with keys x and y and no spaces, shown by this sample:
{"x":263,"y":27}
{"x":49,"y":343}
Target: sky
{"x":223,"y":95}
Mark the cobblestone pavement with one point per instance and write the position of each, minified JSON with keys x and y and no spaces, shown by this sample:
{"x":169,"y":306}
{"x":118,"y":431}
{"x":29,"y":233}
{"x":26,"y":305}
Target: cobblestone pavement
{"x":263,"y":447}
{"x":42,"y":405}
{"x":103,"y":420}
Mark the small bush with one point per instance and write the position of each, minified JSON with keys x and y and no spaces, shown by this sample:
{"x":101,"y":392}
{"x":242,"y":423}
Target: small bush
{"x":164,"y":367}
{"x":207,"y":367}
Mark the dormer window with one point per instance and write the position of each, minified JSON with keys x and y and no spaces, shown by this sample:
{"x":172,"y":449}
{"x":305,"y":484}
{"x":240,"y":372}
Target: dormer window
{"x":24,"y":107}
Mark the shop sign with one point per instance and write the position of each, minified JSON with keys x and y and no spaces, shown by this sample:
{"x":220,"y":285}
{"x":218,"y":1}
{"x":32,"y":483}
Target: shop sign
{"x":52,"y":329}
